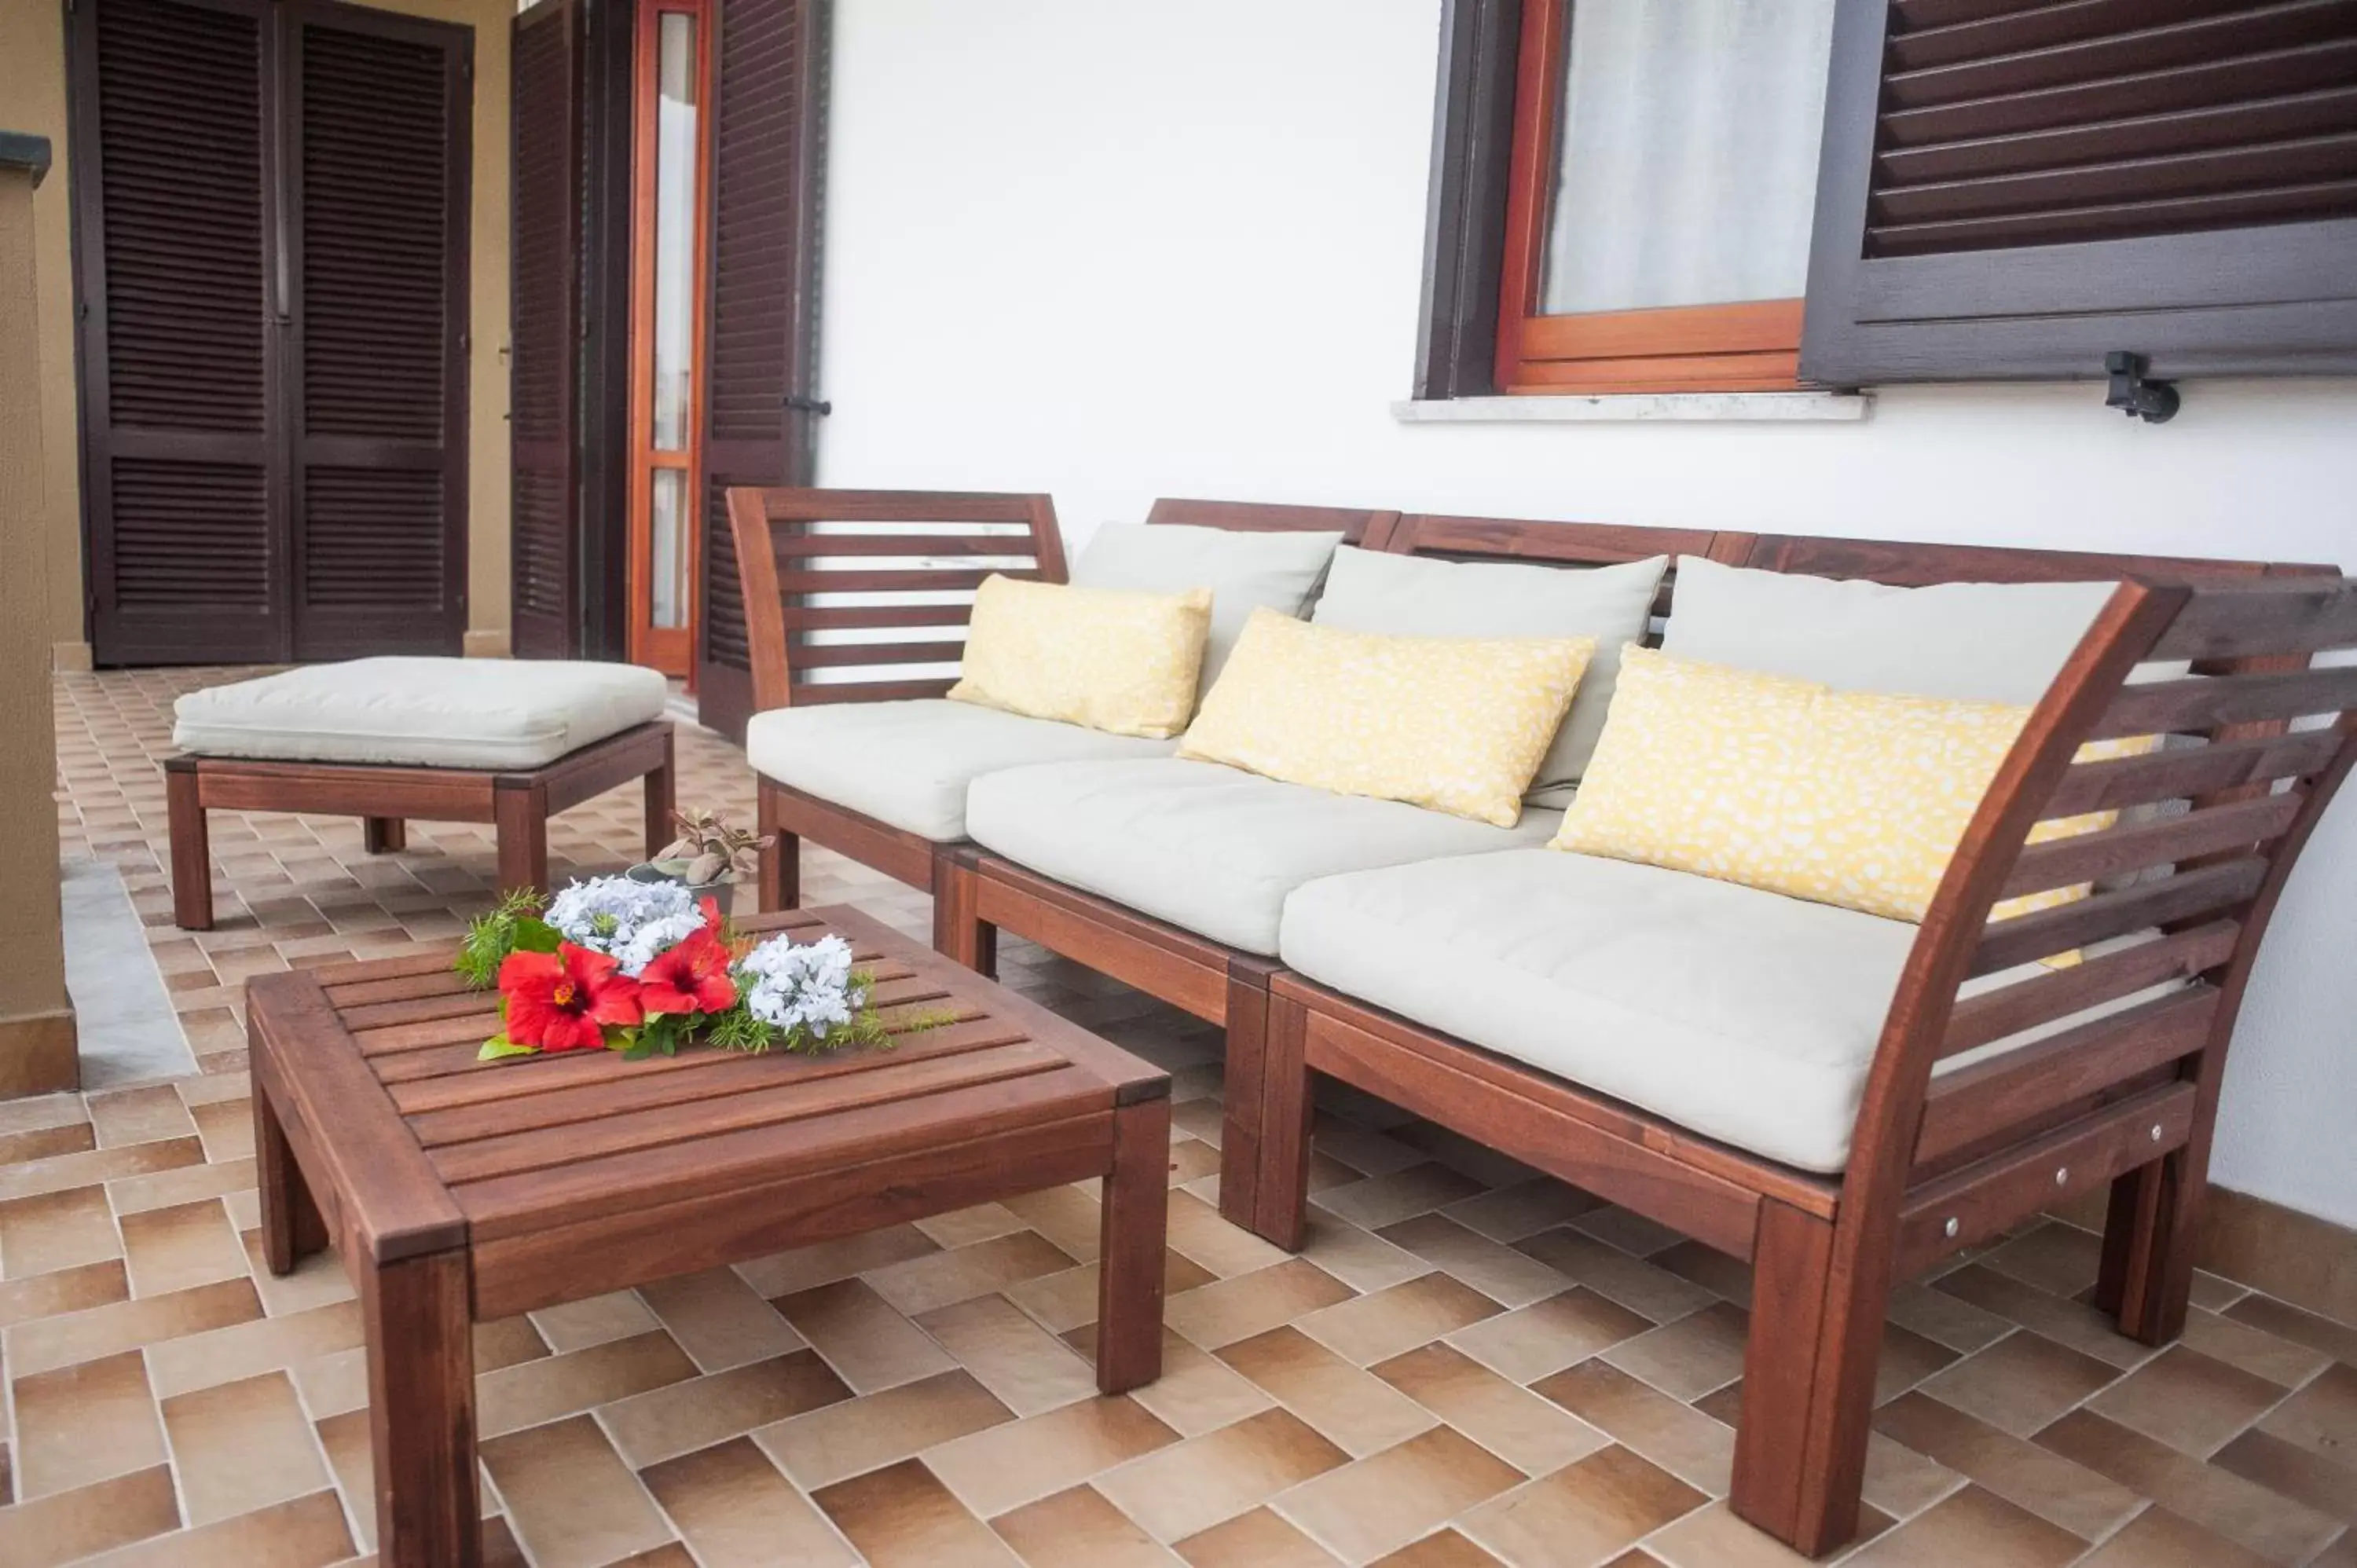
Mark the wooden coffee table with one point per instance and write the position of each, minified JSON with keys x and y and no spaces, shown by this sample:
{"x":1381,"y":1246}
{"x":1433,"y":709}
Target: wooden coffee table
{"x":458,"y":1191}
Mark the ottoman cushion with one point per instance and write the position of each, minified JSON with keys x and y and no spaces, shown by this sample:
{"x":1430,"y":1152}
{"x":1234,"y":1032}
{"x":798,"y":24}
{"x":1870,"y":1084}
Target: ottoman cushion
{"x":488,"y":714}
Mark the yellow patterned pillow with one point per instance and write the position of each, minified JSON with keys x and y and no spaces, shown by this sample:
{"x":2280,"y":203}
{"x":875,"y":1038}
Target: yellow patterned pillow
{"x":1123,"y":662}
{"x":1850,"y":798}
{"x":2070,"y":827}
{"x":1455,"y":724}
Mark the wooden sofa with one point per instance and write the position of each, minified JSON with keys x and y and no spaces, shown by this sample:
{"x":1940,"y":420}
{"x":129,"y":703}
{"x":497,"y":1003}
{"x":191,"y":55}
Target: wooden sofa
{"x":784,"y":551}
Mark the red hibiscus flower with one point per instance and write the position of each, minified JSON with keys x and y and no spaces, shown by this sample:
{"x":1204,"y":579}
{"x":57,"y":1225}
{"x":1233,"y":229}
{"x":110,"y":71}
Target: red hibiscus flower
{"x":692,"y":977}
{"x":563,"y":1000}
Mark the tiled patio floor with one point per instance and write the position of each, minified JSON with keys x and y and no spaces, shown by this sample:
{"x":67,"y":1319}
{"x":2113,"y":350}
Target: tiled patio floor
{"x":1468,"y":1365}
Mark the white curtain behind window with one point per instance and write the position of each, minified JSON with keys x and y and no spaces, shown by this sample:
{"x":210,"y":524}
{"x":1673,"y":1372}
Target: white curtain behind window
{"x":1687,"y":169}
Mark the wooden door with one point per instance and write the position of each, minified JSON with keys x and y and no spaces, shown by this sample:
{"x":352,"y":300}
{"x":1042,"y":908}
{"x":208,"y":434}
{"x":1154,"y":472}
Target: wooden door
{"x":769,"y":64}
{"x":377,"y":353}
{"x":545,"y":333}
{"x":183,"y":448}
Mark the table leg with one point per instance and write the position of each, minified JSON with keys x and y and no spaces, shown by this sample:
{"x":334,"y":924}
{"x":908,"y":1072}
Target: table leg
{"x":1131,"y":1245}
{"x":662,"y":785}
{"x":383,"y":835}
{"x":192,"y":861}
{"x":420,"y":1362}
{"x":292,"y":1229}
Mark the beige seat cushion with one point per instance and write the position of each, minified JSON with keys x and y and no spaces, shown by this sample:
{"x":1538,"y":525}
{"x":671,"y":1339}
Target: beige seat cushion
{"x":1210,"y":849}
{"x":908,"y":763}
{"x":425,"y":713}
{"x":1738,"y":1014}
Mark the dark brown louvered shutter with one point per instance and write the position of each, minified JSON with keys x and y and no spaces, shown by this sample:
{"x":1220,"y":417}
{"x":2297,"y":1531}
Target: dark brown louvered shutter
{"x":544,"y":375}
{"x":766,"y":160}
{"x":183,"y":453}
{"x":2015,"y":187}
{"x":378,"y":237}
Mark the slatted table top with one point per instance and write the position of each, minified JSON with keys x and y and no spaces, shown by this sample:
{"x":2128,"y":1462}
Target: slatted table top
{"x":423,"y":1148}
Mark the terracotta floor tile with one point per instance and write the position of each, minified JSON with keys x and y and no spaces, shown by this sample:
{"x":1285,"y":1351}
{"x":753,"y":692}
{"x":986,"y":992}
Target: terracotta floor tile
{"x":186,"y":1245}
{"x":1006,"y":1466}
{"x":186,"y":1183}
{"x":60,"y":1229}
{"x":1028,"y":1368}
{"x":1079,"y":1529}
{"x":2287,"y":1322}
{"x":1381,"y":1503}
{"x":1228,"y":1310}
{"x":594,"y":1320}
{"x":2158,"y":1537}
{"x":1185,"y":1489}
{"x":804,"y":1268}
{"x":1534,"y":1434}
{"x":1679,"y":1438}
{"x":65,"y":1526}
{"x":242,"y":1446}
{"x":1630,"y":1232}
{"x":534,"y":1391}
{"x":1713,"y":1537}
{"x":1946,"y":1319}
{"x":1447,"y":1549}
{"x":245,"y":1349}
{"x":1197,"y":1392}
{"x":1068,"y":1216}
{"x":227,"y":1128}
{"x":1359,"y":1412}
{"x":2323,"y":1416}
{"x":2221,"y":1502}
{"x":36,"y":1112}
{"x":1066,"y":1301}
{"x":1359,"y":1259}
{"x":1508,"y":1277}
{"x":571,"y":1500}
{"x":1377,"y":1326}
{"x":2060,"y":1259}
{"x":940,"y":1279}
{"x":1972,"y":1528}
{"x":308,"y":1532}
{"x":165,"y":1321}
{"x":737,"y":1511}
{"x":72,"y":1138}
{"x":2020,"y":1383}
{"x":84,"y":1423}
{"x":1261,"y":1539}
{"x":344,"y":1438}
{"x":2186,"y":1400}
{"x":964,"y":1227}
{"x":1659,"y":1295}
{"x":1583,"y":1512}
{"x":901,"y":1516}
{"x":1530,"y":1342}
{"x":2038,"y":1479}
{"x":1687,"y":1358}
{"x":1385,"y":1199}
{"x":2285,"y":1362}
{"x":1198,"y":1232}
{"x":650,"y":1427}
{"x":2070,"y":1323}
{"x":842,"y":1440}
{"x":505,"y":1341}
{"x":317,"y":1280}
{"x":1525,"y":1209}
{"x":62,"y":1290}
{"x":60,"y":1172}
{"x":719,"y":1320}
{"x":2286,"y":1468}
{"x":1725,"y":1277}
{"x":869,"y":1345}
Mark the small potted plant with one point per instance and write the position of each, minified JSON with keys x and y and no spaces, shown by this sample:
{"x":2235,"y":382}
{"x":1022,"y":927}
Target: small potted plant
{"x":709,"y":852}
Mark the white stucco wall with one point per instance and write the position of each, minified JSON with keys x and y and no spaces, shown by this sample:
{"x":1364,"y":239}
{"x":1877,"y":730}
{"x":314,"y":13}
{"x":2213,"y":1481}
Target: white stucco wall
{"x":1115,"y":250}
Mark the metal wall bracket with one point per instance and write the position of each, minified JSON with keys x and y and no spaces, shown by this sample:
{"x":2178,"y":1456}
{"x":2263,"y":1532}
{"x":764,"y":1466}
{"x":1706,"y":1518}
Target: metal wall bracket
{"x":2155,"y":402}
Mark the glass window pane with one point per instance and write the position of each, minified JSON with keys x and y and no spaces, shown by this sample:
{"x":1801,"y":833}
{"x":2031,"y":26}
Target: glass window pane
{"x":1687,"y":169}
{"x":667,"y":541}
{"x":674,"y":239}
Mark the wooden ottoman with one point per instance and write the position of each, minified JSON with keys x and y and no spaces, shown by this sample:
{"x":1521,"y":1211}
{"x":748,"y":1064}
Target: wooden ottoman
{"x":456,"y":1191}
{"x":466,"y":740}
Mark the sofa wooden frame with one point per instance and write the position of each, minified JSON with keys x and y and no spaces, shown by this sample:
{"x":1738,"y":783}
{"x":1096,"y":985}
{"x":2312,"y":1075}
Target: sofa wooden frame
{"x":779,"y":555}
{"x":2128,"y":1101}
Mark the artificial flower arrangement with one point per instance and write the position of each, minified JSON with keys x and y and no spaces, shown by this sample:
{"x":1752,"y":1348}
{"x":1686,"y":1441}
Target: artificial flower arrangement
{"x":638,"y":967}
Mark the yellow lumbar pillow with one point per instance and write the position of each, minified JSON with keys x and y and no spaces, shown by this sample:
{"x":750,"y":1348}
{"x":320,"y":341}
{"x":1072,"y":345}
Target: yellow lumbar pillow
{"x":1123,"y":662}
{"x":1850,"y":798}
{"x":1456,"y":724}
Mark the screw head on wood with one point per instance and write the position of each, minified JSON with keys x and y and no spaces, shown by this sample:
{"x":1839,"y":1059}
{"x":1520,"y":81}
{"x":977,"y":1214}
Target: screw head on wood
{"x":1953,"y":1227}
{"x":2156,"y":1131}
{"x":2062,"y":1176}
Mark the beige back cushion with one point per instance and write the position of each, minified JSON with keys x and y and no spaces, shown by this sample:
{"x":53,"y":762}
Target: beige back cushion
{"x":1245,"y":570}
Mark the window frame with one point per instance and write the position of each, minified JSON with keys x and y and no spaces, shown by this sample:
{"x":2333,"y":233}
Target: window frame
{"x":1751,"y":346}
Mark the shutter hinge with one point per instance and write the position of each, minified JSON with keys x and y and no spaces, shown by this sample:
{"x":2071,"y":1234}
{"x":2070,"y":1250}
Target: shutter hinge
{"x":808,"y":404}
{"x":466,"y":69}
{"x":2155,"y":402}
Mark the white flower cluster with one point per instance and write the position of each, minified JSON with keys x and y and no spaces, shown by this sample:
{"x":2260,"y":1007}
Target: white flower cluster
{"x":635,"y":922}
{"x":791,"y":987}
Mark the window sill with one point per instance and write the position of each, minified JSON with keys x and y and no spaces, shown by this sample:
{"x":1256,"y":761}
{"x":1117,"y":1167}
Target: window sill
{"x":1637,"y":407}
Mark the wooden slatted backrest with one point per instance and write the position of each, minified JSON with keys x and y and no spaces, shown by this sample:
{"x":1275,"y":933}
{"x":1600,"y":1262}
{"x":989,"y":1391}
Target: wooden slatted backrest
{"x":855,"y":596}
{"x":1356,"y":525}
{"x":2258,"y":741}
{"x":1566,"y":544}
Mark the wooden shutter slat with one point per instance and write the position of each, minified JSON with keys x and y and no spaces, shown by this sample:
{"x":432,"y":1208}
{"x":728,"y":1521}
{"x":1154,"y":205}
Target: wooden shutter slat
{"x":2214,"y":171}
{"x":2124,"y":50}
{"x":2245,"y":80}
{"x":2184,"y":130}
{"x":547,"y":151}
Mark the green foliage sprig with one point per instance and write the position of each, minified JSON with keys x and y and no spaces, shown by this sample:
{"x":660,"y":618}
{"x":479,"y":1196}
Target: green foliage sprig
{"x":512,"y":925}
